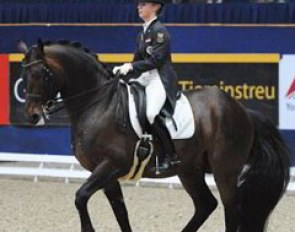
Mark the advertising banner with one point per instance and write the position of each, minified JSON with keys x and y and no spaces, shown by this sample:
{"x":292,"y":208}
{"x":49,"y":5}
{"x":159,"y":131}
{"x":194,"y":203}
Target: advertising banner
{"x":250,"y":79}
{"x":255,"y":85}
{"x":287,"y":93}
{"x":4,"y":93}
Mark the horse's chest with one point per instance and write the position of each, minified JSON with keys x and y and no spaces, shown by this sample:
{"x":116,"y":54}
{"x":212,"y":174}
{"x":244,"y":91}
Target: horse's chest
{"x":84,"y":143}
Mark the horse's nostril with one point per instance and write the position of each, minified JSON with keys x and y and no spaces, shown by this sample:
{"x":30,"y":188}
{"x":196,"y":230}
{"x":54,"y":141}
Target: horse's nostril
{"x":35,"y":118}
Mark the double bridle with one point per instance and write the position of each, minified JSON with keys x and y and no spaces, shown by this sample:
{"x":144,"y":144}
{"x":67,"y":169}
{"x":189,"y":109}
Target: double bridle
{"x":52,"y":100}
{"x":49,"y":81}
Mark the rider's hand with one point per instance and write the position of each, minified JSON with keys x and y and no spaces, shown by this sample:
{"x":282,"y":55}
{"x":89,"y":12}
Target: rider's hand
{"x":116,"y":70}
{"x":123,"y":69}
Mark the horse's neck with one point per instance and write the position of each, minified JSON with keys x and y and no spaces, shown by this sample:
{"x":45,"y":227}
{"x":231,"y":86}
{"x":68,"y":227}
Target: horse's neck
{"x":77,"y":83}
{"x":97,"y":95}
{"x":79,"y":72}
{"x":82,"y":80}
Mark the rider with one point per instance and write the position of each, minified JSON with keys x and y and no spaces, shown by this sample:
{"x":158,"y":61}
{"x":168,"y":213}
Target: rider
{"x":152,"y":60}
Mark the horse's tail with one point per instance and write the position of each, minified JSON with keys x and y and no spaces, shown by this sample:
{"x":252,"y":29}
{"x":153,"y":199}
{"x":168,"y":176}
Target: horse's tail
{"x":265,"y":177}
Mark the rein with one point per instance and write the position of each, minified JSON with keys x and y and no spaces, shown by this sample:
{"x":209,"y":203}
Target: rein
{"x":51,"y":106}
{"x":48,"y":108}
{"x":111,"y":83}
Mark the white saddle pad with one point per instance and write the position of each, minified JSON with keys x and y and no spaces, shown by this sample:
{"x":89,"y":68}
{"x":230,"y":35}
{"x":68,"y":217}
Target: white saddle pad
{"x":183,"y":117}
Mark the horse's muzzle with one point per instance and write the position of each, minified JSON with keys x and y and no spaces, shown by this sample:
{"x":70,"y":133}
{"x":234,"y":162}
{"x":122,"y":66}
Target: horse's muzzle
{"x":37,"y":119}
{"x":34,"y":114}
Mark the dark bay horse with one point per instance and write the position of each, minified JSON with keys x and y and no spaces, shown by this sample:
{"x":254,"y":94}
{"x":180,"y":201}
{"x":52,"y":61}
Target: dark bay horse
{"x":243,"y":150}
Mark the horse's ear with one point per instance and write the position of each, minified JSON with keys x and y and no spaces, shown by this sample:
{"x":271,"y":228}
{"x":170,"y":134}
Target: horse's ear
{"x":40,"y":47}
{"x":22,"y":47}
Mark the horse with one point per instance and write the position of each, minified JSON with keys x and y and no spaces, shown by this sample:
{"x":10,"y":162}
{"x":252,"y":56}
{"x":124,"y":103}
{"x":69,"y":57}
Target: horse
{"x":241,"y":148}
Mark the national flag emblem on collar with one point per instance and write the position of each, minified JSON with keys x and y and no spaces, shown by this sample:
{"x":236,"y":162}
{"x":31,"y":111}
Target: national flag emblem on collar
{"x":291,"y":91}
{"x":160,"y":37}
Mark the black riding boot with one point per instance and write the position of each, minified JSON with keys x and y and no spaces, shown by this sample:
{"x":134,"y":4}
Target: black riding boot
{"x":160,"y":131}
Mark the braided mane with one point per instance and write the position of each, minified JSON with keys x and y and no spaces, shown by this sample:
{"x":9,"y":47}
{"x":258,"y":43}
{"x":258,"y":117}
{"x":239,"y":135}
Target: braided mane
{"x":74,"y":44}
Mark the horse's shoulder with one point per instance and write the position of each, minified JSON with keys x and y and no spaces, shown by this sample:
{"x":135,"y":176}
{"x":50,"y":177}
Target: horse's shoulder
{"x":204,"y":92}
{"x":212,"y":90}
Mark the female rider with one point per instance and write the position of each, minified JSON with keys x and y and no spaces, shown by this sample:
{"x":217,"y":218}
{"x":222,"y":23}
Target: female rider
{"x":152,"y":63}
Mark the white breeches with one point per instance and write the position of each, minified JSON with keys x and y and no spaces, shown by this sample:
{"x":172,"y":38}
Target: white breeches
{"x":155,"y":93}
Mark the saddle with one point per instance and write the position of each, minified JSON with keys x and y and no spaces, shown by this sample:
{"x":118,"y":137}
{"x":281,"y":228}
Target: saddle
{"x":131,"y":113}
{"x":138,"y":92}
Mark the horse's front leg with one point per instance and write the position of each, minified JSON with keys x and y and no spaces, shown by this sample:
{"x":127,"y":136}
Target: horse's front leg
{"x":114,"y":194}
{"x":102,"y":174}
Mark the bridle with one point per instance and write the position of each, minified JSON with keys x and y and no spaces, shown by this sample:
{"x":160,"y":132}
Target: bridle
{"x":47,"y":75}
{"x":32,"y":63}
{"x":51,"y":98}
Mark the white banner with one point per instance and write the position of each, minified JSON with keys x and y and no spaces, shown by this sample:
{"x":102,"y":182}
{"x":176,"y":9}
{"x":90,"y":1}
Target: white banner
{"x":287,"y":93}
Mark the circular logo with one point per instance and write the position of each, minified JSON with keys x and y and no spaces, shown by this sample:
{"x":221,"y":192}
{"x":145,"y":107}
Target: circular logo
{"x":19,"y":91}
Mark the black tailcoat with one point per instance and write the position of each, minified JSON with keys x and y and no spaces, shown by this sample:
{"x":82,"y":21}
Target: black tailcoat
{"x":153,"y":51}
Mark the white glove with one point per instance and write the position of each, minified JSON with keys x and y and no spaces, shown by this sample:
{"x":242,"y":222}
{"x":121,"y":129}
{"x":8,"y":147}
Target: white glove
{"x":123,"y":69}
{"x":116,"y":69}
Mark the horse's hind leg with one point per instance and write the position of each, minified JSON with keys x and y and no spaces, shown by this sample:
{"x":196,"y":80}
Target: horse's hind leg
{"x":227,"y":186}
{"x":98,"y":179}
{"x":204,"y":201}
{"x":114,"y":194}
{"x":228,"y":194}
{"x":226,"y":177}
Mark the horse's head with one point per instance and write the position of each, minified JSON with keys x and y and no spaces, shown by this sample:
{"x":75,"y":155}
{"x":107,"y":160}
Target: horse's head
{"x":40,"y":81}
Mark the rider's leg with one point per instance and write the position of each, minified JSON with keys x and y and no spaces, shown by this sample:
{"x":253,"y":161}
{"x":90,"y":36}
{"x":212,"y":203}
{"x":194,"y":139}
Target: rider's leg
{"x":156,"y":98}
{"x":161,"y":132}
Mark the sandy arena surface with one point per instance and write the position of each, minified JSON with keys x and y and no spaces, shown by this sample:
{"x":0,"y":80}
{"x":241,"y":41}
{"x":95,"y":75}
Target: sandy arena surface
{"x":48,"y":206}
